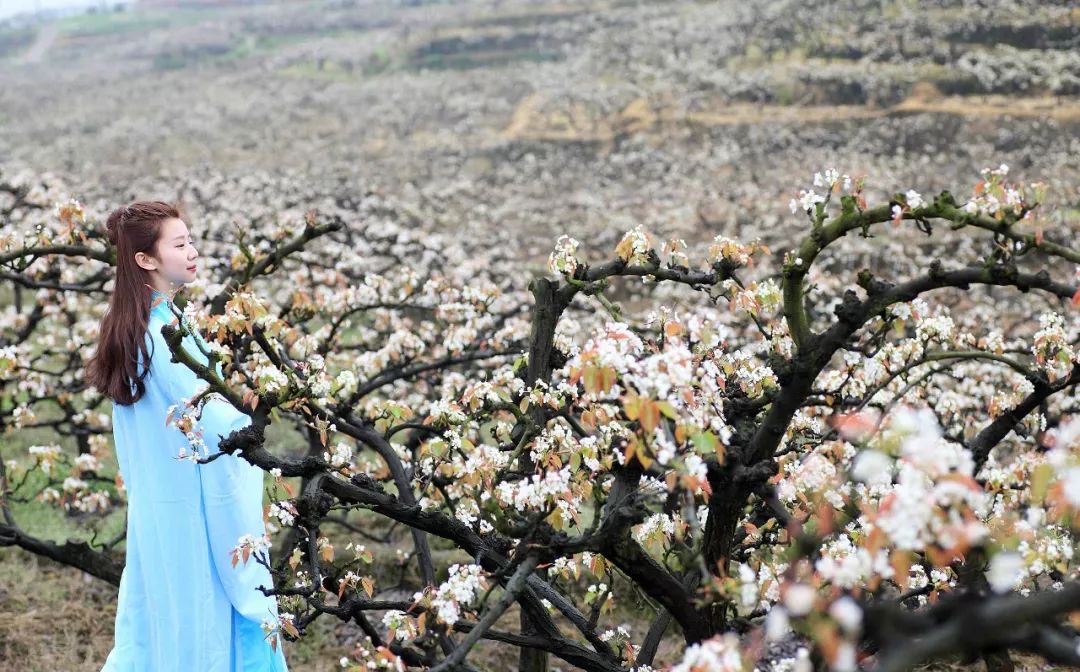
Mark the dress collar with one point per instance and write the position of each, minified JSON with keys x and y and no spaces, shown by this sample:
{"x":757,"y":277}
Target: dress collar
{"x":159,"y":303}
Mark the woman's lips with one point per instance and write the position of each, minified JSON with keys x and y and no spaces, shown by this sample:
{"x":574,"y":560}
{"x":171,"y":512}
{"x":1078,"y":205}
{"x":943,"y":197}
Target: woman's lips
{"x":191,"y":268}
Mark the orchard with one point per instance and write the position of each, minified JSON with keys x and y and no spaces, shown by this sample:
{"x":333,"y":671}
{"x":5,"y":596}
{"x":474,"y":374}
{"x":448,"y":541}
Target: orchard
{"x":853,"y":446}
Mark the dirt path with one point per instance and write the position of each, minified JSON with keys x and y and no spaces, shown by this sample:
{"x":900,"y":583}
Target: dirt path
{"x":45,"y":38}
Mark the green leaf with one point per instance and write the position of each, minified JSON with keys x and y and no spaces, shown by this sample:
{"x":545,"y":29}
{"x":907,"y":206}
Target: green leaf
{"x":667,"y":409}
{"x":847,"y":204}
{"x":1040,"y":481}
{"x":705,"y":442}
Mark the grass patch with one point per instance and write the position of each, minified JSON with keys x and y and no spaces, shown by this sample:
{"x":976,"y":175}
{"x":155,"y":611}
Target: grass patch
{"x":256,"y":45}
{"x":487,"y":59}
{"x":13,"y":41}
{"x":55,"y":617}
{"x":107,"y":23}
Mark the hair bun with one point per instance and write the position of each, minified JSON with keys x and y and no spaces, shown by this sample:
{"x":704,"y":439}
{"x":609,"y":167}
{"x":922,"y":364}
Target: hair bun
{"x":113,"y":225}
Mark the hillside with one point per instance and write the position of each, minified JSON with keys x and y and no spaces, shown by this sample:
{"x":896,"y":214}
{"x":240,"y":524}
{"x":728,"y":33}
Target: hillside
{"x":523,"y":119}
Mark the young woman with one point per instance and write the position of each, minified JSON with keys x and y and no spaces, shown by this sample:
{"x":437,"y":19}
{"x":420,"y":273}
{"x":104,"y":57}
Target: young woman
{"x":182,"y":606}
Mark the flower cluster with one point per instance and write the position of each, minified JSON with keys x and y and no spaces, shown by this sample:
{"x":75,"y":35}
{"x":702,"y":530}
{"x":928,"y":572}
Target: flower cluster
{"x":377,"y":658}
{"x":656,"y":528}
{"x":399,"y":625}
{"x":340,"y":456}
{"x":742,"y":254}
{"x":674,"y":249}
{"x":935,"y":505}
{"x":753,"y":377}
{"x":806,"y":201}
{"x":1051,"y":347}
{"x":541,"y":490}
{"x":400,"y":346}
{"x":248,"y":544}
{"x":563,"y":258}
{"x":268,"y":378}
{"x":455,"y":594}
{"x":906,"y":202}
{"x":635,"y":246}
{"x":285,"y":511}
{"x":761,"y":297}
{"x":720,"y":653}
{"x":832,"y":179}
{"x":46,"y":457}
{"x":285,"y":622}
{"x":997,"y":198}
{"x":9,"y":360}
{"x":655,"y":384}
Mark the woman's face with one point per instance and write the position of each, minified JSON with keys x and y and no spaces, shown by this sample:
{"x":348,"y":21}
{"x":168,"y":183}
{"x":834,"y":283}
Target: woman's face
{"x":174,"y":263}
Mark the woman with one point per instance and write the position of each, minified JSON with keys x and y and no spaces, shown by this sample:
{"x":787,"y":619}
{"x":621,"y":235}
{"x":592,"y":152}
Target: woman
{"x":182,"y":606}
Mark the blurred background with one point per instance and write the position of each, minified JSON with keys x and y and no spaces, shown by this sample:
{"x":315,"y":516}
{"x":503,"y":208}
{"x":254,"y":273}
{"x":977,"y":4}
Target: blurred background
{"x":515,"y":120}
{"x":504,"y":123}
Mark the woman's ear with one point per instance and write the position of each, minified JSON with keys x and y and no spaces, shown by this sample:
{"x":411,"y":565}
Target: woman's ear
{"x":145,"y":261}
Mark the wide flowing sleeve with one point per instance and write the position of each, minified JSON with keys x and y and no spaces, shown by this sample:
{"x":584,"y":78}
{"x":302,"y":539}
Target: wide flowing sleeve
{"x":231,"y":487}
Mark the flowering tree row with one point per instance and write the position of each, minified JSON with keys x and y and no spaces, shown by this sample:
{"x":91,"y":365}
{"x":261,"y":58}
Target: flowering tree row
{"x":873,"y":466}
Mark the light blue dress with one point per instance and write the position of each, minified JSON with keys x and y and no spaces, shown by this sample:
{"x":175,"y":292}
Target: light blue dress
{"x":182,"y":606}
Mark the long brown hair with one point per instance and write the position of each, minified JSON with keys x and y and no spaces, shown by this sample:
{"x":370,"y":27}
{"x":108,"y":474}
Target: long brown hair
{"x":114,"y":365}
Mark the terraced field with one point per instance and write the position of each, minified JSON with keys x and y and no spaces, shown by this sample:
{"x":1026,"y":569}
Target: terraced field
{"x":501,"y":124}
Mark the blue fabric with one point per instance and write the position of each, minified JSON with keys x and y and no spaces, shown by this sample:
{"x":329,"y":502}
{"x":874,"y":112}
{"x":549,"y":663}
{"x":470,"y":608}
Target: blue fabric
{"x":182,"y":606}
